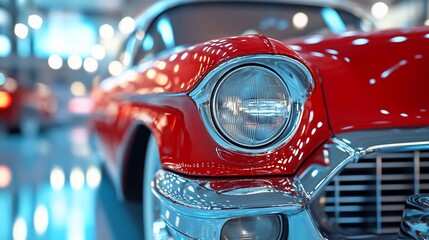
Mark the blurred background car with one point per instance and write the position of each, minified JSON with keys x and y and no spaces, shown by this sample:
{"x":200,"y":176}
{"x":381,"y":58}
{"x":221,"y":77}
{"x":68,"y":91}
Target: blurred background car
{"x":25,"y":109}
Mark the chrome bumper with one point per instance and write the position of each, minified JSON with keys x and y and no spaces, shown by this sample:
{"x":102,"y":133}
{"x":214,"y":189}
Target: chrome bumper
{"x":198,"y":209}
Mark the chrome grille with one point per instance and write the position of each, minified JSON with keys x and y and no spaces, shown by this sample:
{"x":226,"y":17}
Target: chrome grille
{"x":368,"y":197}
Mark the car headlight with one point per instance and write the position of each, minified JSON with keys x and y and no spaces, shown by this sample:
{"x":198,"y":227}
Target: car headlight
{"x":251,"y":106}
{"x":265,"y":227}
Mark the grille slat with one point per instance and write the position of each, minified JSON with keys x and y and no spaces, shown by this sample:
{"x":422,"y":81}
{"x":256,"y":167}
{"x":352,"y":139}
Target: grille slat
{"x":368,"y":197}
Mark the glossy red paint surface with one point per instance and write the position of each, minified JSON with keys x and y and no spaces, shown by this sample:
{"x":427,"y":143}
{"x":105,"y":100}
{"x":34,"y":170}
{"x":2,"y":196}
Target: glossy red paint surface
{"x":156,"y":96}
{"x":366,"y":80}
{"x":372,"y":80}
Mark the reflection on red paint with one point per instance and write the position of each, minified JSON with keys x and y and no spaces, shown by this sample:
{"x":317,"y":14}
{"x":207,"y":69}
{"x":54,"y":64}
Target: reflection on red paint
{"x":5,"y":176}
{"x":5,"y":99}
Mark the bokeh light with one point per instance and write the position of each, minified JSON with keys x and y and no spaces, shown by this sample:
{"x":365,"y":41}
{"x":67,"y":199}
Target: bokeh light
{"x":379,"y":10}
{"x":90,"y":65}
{"x":5,"y":102}
{"x":93,"y":177}
{"x":77,"y":179}
{"x":35,"y":21}
{"x":5,"y":175}
{"x":115,"y":68}
{"x":74,"y":62}
{"x":127,"y":25}
{"x":41,"y":219}
{"x":78,"y":89}
{"x":5,"y":46}
{"x":57,"y":178}
{"x":55,"y":62}
{"x":19,"y":229}
{"x":106,"y":31}
{"x":2,"y":78}
{"x":98,"y":52}
{"x":300,"y":20}
{"x":21,"y":30}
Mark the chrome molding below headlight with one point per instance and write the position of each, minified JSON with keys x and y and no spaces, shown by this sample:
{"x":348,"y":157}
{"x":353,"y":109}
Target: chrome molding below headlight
{"x":198,"y":209}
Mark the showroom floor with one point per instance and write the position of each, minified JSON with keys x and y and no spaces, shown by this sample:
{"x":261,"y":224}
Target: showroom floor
{"x":53,"y":187}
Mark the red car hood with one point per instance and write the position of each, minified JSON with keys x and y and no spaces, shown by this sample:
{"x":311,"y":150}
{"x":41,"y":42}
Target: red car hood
{"x":371,"y":80}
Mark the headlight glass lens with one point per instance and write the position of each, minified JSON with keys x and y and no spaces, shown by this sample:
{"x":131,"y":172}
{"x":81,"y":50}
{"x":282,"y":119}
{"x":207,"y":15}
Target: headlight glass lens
{"x":266,"y":227}
{"x":251,"y":106}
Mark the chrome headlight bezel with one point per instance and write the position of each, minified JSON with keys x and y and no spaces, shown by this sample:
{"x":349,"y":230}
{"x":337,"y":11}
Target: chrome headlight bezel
{"x":295,"y":76}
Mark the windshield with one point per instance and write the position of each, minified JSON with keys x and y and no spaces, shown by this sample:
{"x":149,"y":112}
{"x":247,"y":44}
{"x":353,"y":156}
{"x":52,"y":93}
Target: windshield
{"x":199,"y":22}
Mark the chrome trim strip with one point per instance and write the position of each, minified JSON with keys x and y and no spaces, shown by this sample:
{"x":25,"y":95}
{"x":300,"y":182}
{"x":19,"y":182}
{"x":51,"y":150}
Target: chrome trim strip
{"x":227,"y":198}
{"x":295,"y":75}
{"x":416,"y":172}
{"x":378,"y":169}
{"x":316,"y":177}
{"x":337,"y":197}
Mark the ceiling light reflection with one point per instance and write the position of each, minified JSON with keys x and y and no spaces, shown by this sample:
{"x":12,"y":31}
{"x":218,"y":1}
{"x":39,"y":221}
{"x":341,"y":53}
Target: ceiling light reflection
{"x":398,"y":39}
{"x":332,"y":51}
{"x":41,"y":219}
{"x":295,"y":47}
{"x":19,"y":229}
{"x":360,"y":41}
{"x":313,"y":40}
{"x":383,"y":111}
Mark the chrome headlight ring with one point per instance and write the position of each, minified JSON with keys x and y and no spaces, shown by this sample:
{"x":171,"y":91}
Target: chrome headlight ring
{"x":253,"y":104}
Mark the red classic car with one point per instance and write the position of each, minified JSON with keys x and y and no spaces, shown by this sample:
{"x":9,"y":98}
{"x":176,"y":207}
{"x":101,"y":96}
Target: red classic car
{"x":225,"y":135}
{"x":23,"y":108}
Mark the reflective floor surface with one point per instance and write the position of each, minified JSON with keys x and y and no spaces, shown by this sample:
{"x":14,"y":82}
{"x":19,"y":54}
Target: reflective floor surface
{"x":52,"y":186}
